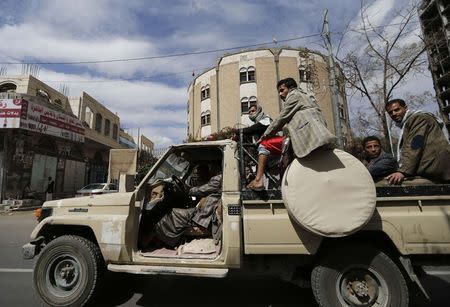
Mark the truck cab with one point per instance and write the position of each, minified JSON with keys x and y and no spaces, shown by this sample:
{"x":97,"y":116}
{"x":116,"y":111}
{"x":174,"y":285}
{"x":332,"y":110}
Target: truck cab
{"x":78,"y":238}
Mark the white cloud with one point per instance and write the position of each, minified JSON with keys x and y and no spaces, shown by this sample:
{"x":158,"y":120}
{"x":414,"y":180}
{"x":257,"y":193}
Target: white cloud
{"x":157,"y":109}
{"x":59,"y":31}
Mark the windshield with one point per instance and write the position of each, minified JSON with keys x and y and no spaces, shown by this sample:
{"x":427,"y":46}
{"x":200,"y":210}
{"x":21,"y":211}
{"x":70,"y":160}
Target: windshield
{"x":94,"y":186}
{"x":174,"y":164}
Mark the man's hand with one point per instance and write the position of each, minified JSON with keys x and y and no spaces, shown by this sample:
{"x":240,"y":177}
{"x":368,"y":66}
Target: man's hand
{"x":395,"y":178}
{"x":262,"y":138}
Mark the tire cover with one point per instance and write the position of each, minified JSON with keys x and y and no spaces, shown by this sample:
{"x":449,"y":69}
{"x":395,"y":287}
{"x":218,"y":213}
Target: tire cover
{"x":329,"y":192}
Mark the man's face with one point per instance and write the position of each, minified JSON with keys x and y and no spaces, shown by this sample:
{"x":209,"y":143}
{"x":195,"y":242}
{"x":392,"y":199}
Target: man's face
{"x":396,"y":111}
{"x":372,"y":149}
{"x":283,"y":91}
{"x":252,"y":110}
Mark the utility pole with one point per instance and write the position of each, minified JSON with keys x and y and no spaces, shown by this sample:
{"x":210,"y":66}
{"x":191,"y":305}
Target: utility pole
{"x":139,"y":139}
{"x":335,"y":98}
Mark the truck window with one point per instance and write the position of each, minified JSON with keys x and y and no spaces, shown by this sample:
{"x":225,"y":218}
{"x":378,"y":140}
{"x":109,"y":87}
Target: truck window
{"x":174,"y":164}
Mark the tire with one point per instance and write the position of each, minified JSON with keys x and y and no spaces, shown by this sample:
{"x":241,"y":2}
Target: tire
{"x":358,"y":276}
{"x":68,"y":271}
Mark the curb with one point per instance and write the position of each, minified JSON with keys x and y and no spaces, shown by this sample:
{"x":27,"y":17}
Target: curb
{"x":26,"y":208}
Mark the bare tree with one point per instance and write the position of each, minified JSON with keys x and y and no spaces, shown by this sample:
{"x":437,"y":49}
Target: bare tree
{"x":381,"y":62}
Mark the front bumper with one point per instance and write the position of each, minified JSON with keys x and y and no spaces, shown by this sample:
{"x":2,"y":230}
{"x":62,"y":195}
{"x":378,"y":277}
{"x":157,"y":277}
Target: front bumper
{"x":33,"y":248}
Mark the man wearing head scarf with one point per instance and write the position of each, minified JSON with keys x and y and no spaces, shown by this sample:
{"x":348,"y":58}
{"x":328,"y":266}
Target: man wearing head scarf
{"x":260,"y":119}
{"x":423,"y":146}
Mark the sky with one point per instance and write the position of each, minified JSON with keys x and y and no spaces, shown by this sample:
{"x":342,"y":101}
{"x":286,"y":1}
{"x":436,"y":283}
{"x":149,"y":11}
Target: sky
{"x":151,"y":94}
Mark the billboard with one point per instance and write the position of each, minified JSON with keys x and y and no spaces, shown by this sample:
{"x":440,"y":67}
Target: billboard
{"x":19,"y":113}
{"x":10,"y":112}
{"x":38,"y":118}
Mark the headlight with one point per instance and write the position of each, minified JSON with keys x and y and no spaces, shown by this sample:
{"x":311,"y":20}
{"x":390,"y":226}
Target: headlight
{"x":42,"y":213}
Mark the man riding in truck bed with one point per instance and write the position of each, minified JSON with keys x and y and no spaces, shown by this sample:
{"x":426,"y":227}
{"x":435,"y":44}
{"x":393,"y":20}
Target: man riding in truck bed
{"x":423,"y":146}
{"x":304,"y":122}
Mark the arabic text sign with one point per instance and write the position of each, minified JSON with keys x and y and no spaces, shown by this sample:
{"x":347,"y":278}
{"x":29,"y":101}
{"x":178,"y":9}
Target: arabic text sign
{"x":10,"y":112}
{"x":48,"y":121}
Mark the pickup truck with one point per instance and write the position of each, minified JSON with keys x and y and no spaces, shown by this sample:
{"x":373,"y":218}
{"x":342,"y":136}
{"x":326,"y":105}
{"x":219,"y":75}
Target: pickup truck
{"x":78,"y":239}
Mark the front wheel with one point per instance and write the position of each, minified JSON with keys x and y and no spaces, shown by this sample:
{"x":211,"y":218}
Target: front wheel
{"x":67,"y":272}
{"x":359,"y":276}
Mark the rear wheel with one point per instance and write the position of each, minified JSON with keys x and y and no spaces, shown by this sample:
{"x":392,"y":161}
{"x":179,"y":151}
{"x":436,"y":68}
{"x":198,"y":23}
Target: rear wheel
{"x":360,"y":276}
{"x":67,"y":272}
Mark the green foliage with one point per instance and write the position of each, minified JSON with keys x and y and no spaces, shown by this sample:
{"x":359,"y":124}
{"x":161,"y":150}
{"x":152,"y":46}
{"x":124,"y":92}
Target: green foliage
{"x":144,"y":164}
{"x":223,"y":134}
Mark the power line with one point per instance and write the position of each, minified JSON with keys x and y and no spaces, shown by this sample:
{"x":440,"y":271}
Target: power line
{"x":124,"y":79}
{"x":165,"y":56}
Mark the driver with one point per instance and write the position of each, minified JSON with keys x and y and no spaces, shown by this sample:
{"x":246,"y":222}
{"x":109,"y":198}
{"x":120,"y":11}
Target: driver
{"x":172,"y":227}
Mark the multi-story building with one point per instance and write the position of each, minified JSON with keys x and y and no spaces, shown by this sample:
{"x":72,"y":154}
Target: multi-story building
{"x":45,"y":134}
{"x":435,"y":20}
{"x":220,"y":97}
{"x":101,"y":134}
{"x":40,"y":138}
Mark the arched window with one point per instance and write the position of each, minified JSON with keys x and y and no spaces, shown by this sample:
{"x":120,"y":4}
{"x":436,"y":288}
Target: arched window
{"x":205,"y":92}
{"x":244,"y":105}
{"x":115,"y":131}
{"x":43,"y":94}
{"x":243,"y":74}
{"x":251,"y":74}
{"x":107,"y":127}
{"x":206,"y":118}
{"x":247,"y":74}
{"x":89,"y":117}
{"x":252,"y":101}
{"x":8,"y":88}
{"x":98,"y":122}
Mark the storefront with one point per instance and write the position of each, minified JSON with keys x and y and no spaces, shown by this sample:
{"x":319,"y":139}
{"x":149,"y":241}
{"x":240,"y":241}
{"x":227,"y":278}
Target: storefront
{"x":37,"y":142}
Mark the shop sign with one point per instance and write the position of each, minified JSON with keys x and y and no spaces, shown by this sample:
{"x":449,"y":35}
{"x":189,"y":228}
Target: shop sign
{"x":38,"y":118}
{"x":10,"y":112}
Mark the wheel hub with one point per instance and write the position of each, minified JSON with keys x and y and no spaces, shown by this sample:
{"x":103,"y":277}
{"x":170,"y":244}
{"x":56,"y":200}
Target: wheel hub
{"x":359,"y":287}
{"x":65,"y":273}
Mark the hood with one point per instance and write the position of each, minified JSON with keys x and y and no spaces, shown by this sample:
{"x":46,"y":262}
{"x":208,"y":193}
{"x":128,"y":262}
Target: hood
{"x":110,"y":199}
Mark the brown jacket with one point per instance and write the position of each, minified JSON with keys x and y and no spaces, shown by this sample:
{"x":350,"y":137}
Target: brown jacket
{"x":305,"y":123}
{"x":424,"y":150}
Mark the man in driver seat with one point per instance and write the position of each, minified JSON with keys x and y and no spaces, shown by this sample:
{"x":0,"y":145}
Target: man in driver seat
{"x":172,"y":228}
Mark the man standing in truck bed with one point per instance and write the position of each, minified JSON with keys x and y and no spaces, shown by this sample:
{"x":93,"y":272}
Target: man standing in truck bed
{"x":423,"y":145}
{"x":304,"y":122}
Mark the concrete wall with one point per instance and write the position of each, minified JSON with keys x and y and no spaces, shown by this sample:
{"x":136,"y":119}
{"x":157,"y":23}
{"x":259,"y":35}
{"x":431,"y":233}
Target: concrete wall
{"x":27,"y":84}
{"x":86,"y":105}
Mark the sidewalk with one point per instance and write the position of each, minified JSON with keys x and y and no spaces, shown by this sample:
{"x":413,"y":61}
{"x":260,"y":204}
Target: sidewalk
{"x":10,"y":205}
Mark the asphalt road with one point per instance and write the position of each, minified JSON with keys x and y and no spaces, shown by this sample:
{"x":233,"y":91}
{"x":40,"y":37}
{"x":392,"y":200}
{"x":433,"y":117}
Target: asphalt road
{"x":16,"y":285}
{"x":16,"y":288}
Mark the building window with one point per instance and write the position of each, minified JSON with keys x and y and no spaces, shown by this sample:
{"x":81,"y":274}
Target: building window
{"x":247,"y":74}
{"x":107,"y":127}
{"x":205,"y":92}
{"x":98,"y":122}
{"x":8,"y":88}
{"x":206,"y":118}
{"x":246,"y":103}
{"x":115,"y":131}
{"x":305,"y":74}
{"x":88,"y":117}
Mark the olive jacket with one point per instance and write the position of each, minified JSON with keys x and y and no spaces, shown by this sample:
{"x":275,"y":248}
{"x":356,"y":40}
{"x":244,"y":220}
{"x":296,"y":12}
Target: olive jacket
{"x":305,"y":124}
{"x":424,"y":150}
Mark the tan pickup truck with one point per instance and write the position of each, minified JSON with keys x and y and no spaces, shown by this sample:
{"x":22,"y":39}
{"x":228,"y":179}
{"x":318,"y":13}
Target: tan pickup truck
{"x":78,"y":238}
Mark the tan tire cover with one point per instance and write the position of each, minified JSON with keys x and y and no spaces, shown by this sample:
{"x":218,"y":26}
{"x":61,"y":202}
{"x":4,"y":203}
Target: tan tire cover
{"x":329,"y":192}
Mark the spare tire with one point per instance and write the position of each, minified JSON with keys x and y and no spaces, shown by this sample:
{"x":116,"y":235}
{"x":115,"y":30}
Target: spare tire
{"x":329,"y":192}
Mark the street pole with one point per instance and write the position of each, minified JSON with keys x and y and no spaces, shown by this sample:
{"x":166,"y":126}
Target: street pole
{"x":335,"y":98}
